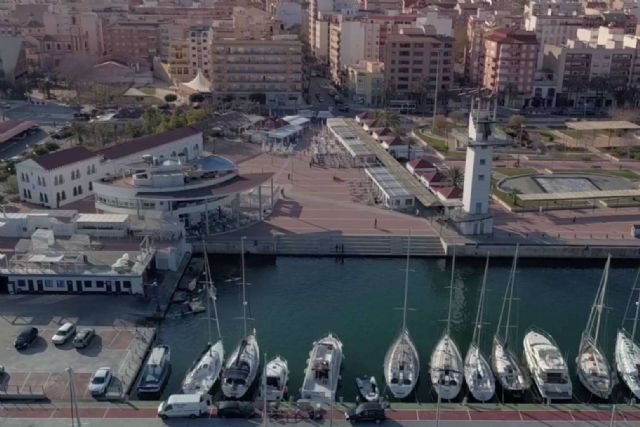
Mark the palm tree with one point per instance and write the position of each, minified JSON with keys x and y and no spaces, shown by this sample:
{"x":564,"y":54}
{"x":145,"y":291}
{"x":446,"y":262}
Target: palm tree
{"x":456,"y":176}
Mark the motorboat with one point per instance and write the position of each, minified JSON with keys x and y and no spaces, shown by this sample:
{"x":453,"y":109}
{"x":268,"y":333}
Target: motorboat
{"x":477,"y":373}
{"x":155,"y":373}
{"x":206,"y":369}
{"x":277,"y":377}
{"x":242,"y":366}
{"x":401,"y":363}
{"x":368,"y":388}
{"x":594,"y":371}
{"x":323,"y":370}
{"x":507,"y":369}
{"x":627,"y":351}
{"x":547,"y":366}
{"x":446,"y":366}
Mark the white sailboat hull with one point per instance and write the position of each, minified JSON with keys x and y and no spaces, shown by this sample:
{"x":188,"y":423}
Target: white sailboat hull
{"x":627,"y":354}
{"x":277,"y":371}
{"x":446,"y":369}
{"x":508,"y":370}
{"x":544,"y":358}
{"x":593,"y":370}
{"x":402,"y":366}
{"x":478,"y":375}
{"x":244,"y":360}
{"x":204,"y":374}
{"x":323,"y":370}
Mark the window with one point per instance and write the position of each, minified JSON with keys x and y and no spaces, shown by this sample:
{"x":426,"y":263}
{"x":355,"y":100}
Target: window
{"x":479,"y":207}
{"x":55,"y":180}
{"x":60,"y":283}
{"x":21,"y":283}
{"x":75,"y":191}
{"x":48,"y":283}
{"x":483,"y":162}
{"x":90,"y":186}
{"x":99,"y":284}
{"x":126,"y":284}
{"x":79,"y":189}
{"x":88,"y":284}
{"x":63,"y":195}
{"x":481,"y":177}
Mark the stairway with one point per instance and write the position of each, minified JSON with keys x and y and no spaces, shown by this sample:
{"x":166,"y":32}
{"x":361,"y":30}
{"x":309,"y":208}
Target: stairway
{"x":366,"y":245}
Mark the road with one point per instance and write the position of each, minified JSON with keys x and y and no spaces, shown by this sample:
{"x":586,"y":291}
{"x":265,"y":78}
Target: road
{"x":15,"y":146}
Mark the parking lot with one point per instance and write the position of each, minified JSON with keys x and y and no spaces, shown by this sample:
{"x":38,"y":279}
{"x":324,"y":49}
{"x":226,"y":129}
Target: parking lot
{"x":41,"y":368}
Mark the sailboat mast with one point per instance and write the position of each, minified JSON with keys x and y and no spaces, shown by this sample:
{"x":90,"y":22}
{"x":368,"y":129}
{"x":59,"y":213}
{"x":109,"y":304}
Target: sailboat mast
{"x":207,"y":284}
{"x":635,"y":318}
{"x":264,"y":392}
{"x":406,"y":286}
{"x":244,"y":286}
{"x":453,"y":270}
{"x":478,"y":325}
{"x":512,"y":283}
{"x":600,"y":306}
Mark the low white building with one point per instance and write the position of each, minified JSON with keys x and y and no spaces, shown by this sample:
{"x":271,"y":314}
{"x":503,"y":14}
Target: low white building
{"x":388,"y":190}
{"x":348,"y":138}
{"x":63,"y":177}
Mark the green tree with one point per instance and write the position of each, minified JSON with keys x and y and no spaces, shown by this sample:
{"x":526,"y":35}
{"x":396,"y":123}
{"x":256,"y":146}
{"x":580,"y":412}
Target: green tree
{"x":387,"y":119}
{"x":441,"y":126}
{"x":195,"y":115}
{"x":456,"y":117}
{"x":516,"y":121}
{"x":52,"y":146}
{"x":12,"y":185}
{"x":132,"y":131}
{"x":170,"y":97}
{"x":152,"y":119}
{"x":456,"y":176}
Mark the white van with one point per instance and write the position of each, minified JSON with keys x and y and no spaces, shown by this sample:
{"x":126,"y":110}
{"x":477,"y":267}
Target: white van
{"x":184,"y":405}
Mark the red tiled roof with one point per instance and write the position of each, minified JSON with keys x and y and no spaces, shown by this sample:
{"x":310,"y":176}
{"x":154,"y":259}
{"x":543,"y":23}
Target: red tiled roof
{"x":449,"y":192}
{"x":64,"y":157}
{"x":421,"y":164}
{"x":139,"y":145}
{"x":11,"y":128}
{"x":395,"y":141}
{"x":434,"y":176}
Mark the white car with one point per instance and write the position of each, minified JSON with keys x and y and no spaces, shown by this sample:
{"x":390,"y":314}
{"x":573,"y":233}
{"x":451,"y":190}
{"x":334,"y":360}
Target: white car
{"x":100,"y":381}
{"x":66,"y":332}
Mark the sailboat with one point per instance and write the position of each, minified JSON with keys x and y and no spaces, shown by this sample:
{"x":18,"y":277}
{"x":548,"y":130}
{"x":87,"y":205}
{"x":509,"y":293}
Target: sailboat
{"x":446,"y":362}
{"x":205,"y":371}
{"x":593,"y":368}
{"x":505,"y":364}
{"x":477,"y":373}
{"x":242,"y":366}
{"x":401,"y":363}
{"x":276,"y":373}
{"x":627,"y":350}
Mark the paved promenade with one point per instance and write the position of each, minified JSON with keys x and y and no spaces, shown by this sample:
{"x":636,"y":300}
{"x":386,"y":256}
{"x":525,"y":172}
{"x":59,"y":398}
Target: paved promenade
{"x":144,"y":414}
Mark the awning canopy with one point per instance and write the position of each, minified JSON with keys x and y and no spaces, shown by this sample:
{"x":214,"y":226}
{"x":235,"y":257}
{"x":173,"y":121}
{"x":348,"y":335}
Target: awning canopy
{"x":578,"y":195}
{"x":602,"y":125}
{"x":199,"y":83}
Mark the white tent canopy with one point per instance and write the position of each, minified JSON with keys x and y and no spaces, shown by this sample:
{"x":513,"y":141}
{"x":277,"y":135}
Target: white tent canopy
{"x":199,"y":83}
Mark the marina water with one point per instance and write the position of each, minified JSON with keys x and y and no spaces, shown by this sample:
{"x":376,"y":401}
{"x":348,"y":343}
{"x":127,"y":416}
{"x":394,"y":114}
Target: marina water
{"x":295,"y":301}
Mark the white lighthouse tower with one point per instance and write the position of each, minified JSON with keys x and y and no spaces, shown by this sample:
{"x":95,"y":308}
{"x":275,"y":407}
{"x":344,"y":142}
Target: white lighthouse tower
{"x":475,"y":217}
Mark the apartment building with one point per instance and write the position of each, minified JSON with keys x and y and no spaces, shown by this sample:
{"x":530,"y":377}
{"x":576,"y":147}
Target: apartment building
{"x":133,"y":43}
{"x":384,"y":5}
{"x":317,"y":8}
{"x":602,"y":52}
{"x":415,"y":57}
{"x":189,"y":52}
{"x":83,"y":30}
{"x":510,"y":63}
{"x":553,"y":28}
{"x":266,"y":70}
{"x":350,"y":40}
{"x":366,"y":83}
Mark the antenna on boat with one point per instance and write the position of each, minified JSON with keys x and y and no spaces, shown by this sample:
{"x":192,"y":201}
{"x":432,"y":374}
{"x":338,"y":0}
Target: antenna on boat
{"x":244,"y":286}
{"x":600,"y":303}
{"x":637,"y":303}
{"x":508,"y":295}
{"x":264,"y":392}
{"x":453,"y":270}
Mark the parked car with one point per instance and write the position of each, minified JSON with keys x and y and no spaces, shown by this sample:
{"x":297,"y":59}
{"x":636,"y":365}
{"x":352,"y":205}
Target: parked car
{"x":235,"y":409}
{"x":100,"y":381}
{"x":25,"y":337}
{"x":83,"y":337}
{"x":369,"y":411}
{"x":184,"y":405}
{"x":64,"y":333}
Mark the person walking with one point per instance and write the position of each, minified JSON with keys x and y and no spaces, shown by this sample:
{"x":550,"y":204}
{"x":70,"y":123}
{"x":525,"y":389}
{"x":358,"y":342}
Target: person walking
{"x":375,"y":223}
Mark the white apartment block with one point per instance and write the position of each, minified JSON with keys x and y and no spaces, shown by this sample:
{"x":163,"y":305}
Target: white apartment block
{"x":66,"y":176}
{"x":366,"y":83}
{"x":553,"y":28}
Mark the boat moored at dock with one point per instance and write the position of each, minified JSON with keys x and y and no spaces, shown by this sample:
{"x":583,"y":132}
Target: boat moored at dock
{"x":627,"y":351}
{"x":323,"y":370}
{"x":155,"y":373}
{"x":548,"y":368}
{"x":277,"y":377}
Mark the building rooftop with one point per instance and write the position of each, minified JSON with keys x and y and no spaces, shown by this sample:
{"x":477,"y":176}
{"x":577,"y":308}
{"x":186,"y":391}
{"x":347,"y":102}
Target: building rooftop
{"x":12,"y":128}
{"x":63,"y":157}
{"x":388,"y":183}
{"x":139,"y":145}
{"x":512,"y":36}
{"x":237,"y":184}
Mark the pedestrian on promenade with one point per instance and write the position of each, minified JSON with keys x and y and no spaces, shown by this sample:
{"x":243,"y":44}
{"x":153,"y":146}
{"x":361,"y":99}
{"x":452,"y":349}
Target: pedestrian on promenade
{"x":375,"y":223}
{"x":574,"y":220}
